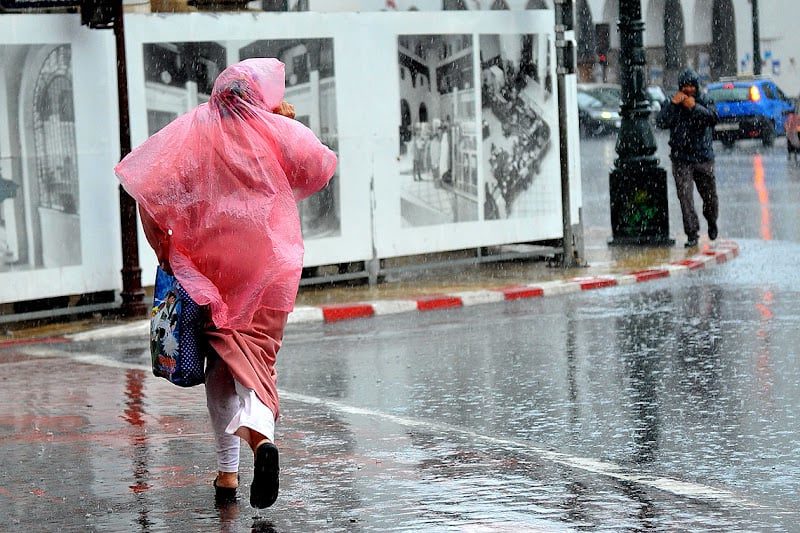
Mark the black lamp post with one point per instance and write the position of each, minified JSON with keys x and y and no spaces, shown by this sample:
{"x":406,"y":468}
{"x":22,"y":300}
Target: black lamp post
{"x":756,"y":39}
{"x":637,"y":184}
{"x":132,"y":294}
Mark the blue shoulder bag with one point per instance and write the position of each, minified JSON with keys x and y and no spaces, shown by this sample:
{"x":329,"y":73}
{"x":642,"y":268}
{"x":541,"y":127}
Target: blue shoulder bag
{"x":178,"y":345}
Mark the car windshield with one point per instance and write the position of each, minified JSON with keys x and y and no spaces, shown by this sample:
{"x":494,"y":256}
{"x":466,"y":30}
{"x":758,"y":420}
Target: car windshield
{"x":587,"y":100}
{"x":731,"y":94}
{"x":608,"y":96}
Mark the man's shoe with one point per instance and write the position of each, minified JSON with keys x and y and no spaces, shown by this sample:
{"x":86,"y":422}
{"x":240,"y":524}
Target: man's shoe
{"x":691,"y":243}
{"x":712,"y":231}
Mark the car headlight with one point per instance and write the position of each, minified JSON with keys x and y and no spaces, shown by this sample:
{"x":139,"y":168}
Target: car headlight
{"x":604,"y":115}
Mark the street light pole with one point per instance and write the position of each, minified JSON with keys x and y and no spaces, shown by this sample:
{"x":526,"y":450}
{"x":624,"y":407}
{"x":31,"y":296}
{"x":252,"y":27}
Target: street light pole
{"x":132,"y":294}
{"x":756,"y":39}
{"x":571,"y":255}
{"x":637,"y":184}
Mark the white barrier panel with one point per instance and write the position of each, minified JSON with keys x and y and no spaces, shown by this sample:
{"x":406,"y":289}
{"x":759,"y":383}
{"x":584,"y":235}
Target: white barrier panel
{"x":59,"y":215}
{"x":336,"y":221}
{"x":477,"y":145}
{"x":445,"y":124}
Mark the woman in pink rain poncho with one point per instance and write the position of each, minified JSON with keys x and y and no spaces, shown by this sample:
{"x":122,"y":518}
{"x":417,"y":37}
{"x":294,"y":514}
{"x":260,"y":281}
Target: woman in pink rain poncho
{"x":217,"y":191}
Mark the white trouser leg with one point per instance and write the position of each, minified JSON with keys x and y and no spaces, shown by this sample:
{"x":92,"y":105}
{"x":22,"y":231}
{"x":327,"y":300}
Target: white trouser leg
{"x":223,"y":403}
{"x":252,"y":414}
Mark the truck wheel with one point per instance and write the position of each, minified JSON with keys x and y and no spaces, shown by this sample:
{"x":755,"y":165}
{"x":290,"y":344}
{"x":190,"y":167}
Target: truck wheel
{"x":768,"y":135}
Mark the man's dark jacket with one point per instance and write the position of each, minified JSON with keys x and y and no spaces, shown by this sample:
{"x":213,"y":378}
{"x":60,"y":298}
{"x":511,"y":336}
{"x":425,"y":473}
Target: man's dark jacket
{"x":690,"y":129}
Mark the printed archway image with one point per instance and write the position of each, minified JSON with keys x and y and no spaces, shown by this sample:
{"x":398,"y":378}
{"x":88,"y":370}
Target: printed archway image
{"x":39,"y":185}
{"x":438,"y":130}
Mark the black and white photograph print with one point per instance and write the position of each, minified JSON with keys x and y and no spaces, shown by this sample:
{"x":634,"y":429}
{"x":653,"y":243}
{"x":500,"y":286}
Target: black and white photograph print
{"x":180,"y":75}
{"x":39,"y":182}
{"x":311,"y":88}
{"x":438,"y":130}
{"x":517,"y":131}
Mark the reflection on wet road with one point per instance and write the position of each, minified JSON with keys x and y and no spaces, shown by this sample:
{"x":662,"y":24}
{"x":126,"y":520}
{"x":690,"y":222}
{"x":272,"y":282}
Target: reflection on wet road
{"x":678,"y":381}
{"x":763,"y":197}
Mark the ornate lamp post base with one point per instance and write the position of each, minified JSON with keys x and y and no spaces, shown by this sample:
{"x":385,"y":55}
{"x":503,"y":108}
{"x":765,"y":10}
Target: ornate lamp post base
{"x":639,"y":209}
{"x":637,"y":185}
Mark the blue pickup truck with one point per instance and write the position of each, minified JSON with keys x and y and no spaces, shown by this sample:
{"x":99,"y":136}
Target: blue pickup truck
{"x":749,"y":108}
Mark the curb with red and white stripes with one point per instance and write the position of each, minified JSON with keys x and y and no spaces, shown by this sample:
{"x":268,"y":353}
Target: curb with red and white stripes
{"x":721,"y":252}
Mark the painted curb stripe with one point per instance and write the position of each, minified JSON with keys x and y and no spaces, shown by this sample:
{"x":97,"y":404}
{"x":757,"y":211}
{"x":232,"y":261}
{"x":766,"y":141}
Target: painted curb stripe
{"x":391,"y":307}
{"x":521,"y":291}
{"x":588,"y":284}
{"x":334,"y":313}
{"x":305,"y":314}
{"x":627,"y":279}
{"x":553,"y":288}
{"x":720,"y":256}
{"x":650,"y":274}
{"x":430,"y":303}
{"x":691,"y":264}
{"x":478,"y":297}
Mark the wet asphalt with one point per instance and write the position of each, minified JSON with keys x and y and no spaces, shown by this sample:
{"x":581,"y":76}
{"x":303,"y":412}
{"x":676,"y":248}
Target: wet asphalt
{"x":667,"y":406}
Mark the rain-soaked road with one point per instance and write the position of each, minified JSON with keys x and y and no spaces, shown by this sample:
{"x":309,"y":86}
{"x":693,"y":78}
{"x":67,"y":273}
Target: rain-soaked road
{"x":668,"y":406}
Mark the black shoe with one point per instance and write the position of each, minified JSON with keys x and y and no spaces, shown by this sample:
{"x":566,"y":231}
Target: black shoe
{"x":712,"y":231}
{"x":264,"y":489}
{"x":224,"y":495}
{"x":691,"y":243}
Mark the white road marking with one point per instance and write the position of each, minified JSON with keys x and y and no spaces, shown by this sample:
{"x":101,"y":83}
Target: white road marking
{"x":672,"y":486}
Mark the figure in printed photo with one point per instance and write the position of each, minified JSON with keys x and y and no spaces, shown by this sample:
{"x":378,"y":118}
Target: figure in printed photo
{"x":438,"y":157}
{"x":163,"y":342}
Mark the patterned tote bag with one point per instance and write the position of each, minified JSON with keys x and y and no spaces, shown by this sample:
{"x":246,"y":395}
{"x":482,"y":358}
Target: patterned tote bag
{"x":178,"y":346}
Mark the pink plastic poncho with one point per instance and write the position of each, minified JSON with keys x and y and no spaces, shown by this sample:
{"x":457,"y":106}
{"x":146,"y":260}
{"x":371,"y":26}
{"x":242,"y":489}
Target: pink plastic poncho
{"x":223,"y":180}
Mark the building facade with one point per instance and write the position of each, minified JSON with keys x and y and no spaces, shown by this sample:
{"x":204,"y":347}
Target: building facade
{"x":715,"y":37}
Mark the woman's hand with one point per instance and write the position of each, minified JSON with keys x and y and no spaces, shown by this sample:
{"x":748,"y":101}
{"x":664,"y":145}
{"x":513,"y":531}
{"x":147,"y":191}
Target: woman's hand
{"x":284,"y":108}
{"x":679,"y":98}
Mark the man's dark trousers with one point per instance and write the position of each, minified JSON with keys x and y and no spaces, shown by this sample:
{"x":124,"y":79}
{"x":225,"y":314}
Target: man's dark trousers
{"x":686,"y":174}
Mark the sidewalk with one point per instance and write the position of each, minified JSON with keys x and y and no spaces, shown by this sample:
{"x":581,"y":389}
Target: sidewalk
{"x":443,"y":287}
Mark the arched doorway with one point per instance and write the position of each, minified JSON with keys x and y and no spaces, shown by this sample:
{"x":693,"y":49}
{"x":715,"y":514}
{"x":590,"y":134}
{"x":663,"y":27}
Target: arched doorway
{"x":423,"y":112}
{"x":56,"y":163}
{"x":723,"y":39}
{"x":674,"y":42}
